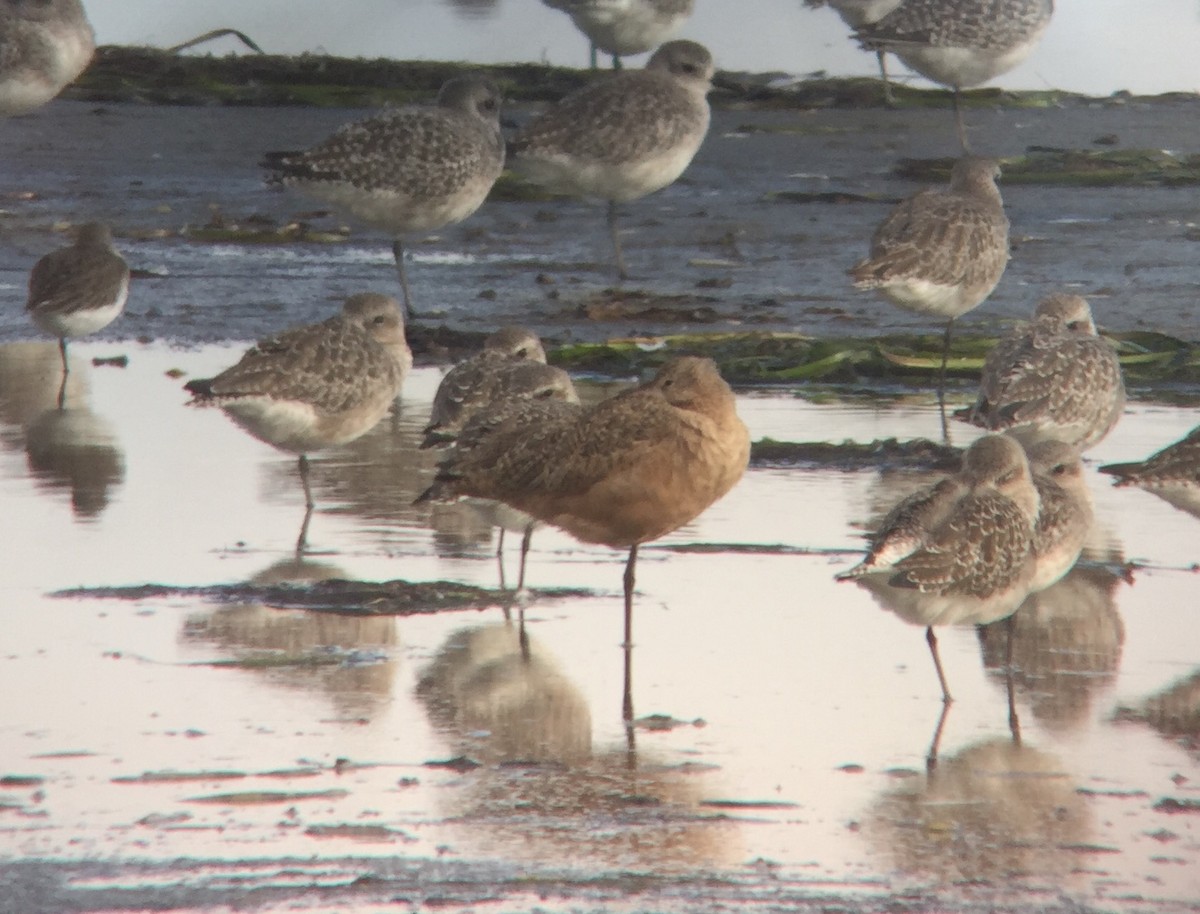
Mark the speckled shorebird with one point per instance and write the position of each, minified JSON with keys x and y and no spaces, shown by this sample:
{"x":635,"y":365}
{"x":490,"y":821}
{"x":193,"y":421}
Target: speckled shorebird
{"x":623,"y":27}
{"x":860,"y":13}
{"x":79,"y":289}
{"x":316,"y":386}
{"x":624,"y":472}
{"x":1173,"y":473}
{"x":44,"y":46}
{"x":414,"y":169}
{"x":510,"y":367}
{"x":960,"y":551}
{"x":512,"y":363}
{"x":960,"y":43}
{"x":624,"y":137}
{"x":1065,"y":515}
{"x":1053,"y":377}
{"x":943,"y":250}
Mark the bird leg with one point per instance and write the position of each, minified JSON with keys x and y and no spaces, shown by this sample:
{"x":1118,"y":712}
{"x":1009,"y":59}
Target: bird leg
{"x":302,"y":540}
{"x":62,"y":354}
{"x":627,"y":701}
{"x":398,"y":254}
{"x":941,"y":387}
{"x":931,"y":757}
{"x":889,"y":98}
{"x":960,"y":126}
{"x":525,"y":538}
{"x":616,"y":239}
{"x":500,"y":563}
{"x":1014,"y":722}
{"x":931,"y":640}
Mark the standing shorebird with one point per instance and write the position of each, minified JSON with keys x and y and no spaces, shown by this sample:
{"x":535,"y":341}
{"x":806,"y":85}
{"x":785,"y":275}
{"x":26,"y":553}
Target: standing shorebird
{"x":941,"y":251}
{"x":1173,"y":473}
{"x":623,"y":27}
{"x":511,"y":367}
{"x":79,"y":289}
{"x":316,"y":386}
{"x":958,"y":552}
{"x":415,"y":169}
{"x":861,"y":13}
{"x":624,"y":472}
{"x":1065,"y":515}
{"x":960,"y":43}
{"x":1053,"y":377}
{"x":44,"y":46}
{"x":624,"y":137}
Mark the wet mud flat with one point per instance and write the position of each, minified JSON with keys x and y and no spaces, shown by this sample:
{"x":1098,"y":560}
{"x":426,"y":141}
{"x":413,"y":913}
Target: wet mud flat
{"x":234,"y":738}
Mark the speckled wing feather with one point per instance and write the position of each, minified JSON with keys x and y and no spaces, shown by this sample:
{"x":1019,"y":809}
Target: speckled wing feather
{"x":322,"y":364}
{"x":980,"y":550}
{"x":1049,"y":376}
{"x":907,"y":527}
{"x":979,"y":24}
{"x":1176,"y":463}
{"x":422,"y":153}
{"x":653,"y":100}
{"x":70,"y":280}
{"x":937,"y":236}
{"x":1059,"y":514}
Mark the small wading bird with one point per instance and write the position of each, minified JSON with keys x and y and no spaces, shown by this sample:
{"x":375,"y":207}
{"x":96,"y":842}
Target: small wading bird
{"x":1053,"y":377}
{"x":960,"y":551}
{"x":44,"y":46}
{"x":510,"y":367}
{"x":623,"y":137}
{"x":858,"y":14}
{"x":79,"y":289}
{"x":414,"y":169}
{"x":942,"y":251}
{"x":316,"y":386}
{"x":623,"y":27}
{"x":960,"y":43}
{"x":621,"y":473}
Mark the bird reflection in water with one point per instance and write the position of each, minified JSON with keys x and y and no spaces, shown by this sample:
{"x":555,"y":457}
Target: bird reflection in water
{"x":542,"y":791}
{"x":1173,"y":473}
{"x":1174,"y":712}
{"x":45,"y":412}
{"x":350,"y":658}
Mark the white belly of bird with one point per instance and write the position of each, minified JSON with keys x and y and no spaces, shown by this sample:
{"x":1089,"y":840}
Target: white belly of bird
{"x":74,"y":324}
{"x":965,"y":67}
{"x":926,"y":297}
{"x":623,"y":28}
{"x":399,"y":213}
{"x":607,"y":181}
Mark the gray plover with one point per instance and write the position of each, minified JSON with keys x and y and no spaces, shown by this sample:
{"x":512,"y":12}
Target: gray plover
{"x":1052,"y":377}
{"x":624,"y":137}
{"x":414,"y":169}
{"x":623,"y":27}
{"x":942,"y":251}
{"x":79,"y":289}
{"x":959,"y":552}
{"x":1173,"y":473}
{"x":44,"y":46}
{"x":511,"y":367}
{"x":860,"y":13}
{"x":960,"y":43}
{"x":316,"y":386}
{"x":1065,"y":516}
{"x":621,"y":473}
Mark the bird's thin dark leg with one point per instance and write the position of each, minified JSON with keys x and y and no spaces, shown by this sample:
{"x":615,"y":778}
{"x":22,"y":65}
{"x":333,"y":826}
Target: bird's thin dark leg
{"x":627,"y":645}
{"x":1014,"y":722}
{"x":941,"y":386}
{"x":302,"y":540}
{"x":500,"y":563}
{"x":889,"y":97}
{"x":525,"y":538}
{"x":614,"y":230}
{"x":398,"y":254}
{"x":62,"y":354}
{"x":932,"y":756}
{"x":931,"y":640}
{"x":959,"y":123}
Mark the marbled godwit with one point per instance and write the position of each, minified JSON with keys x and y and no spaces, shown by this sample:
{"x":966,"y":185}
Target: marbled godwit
{"x":44,"y":46}
{"x":624,"y":137}
{"x":316,"y":386}
{"x":960,"y":43}
{"x":621,"y":473}
{"x":79,"y":289}
{"x":623,"y":27}
{"x":414,"y":169}
{"x":1053,"y":377}
{"x":943,"y":250}
{"x":959,"y":552}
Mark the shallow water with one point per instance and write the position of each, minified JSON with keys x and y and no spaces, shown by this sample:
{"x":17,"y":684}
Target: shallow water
{"x":803,"y":712}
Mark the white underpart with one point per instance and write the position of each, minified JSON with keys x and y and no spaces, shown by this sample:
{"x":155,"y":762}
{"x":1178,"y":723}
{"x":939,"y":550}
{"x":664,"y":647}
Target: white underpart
{"x":965,"y":67}
{"x":81,"y":323}
{"x":621,"y":182}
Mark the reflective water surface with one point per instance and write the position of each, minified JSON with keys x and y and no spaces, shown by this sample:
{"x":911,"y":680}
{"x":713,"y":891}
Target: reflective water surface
{"x":788,"y":724}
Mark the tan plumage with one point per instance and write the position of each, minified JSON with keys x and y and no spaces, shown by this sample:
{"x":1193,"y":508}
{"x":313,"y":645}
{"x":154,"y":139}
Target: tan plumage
{"x":1052,"y":378}
{"x":1065,"y":514}
{"x":1173,"y":473}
